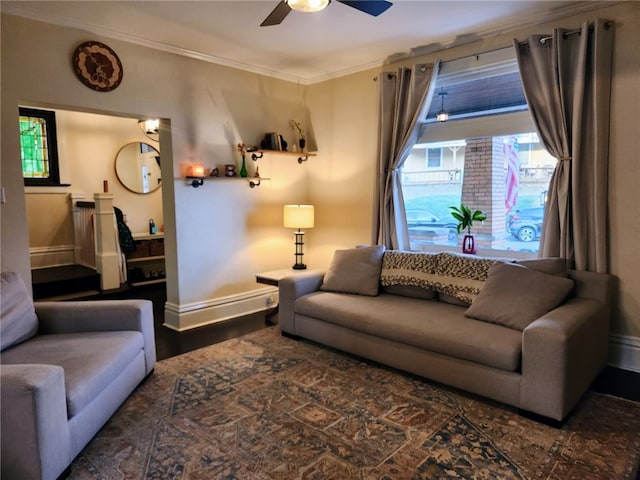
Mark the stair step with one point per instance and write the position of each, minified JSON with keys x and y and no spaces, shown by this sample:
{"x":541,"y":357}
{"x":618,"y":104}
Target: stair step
{"x":63,"y":281}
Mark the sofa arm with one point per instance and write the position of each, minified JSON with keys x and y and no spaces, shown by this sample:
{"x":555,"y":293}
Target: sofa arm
{"x":290,"y":288}
{"x":36,"y":442}
{"x":562,"y":353}
{"x":100,"y":316}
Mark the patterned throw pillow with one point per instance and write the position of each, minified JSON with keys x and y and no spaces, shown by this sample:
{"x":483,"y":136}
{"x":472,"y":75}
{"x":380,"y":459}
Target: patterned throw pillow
{"x":456,"y":278}
{"x":414,"y":269}
{"x":460,"y":277}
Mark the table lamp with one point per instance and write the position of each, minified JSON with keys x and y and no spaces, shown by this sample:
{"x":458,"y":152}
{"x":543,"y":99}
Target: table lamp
{"x":298,"y":216}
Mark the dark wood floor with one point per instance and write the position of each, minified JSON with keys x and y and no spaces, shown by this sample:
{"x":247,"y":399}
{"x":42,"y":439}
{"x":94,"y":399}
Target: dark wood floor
{"x":612,"y":381}
{"x":169,"y":342}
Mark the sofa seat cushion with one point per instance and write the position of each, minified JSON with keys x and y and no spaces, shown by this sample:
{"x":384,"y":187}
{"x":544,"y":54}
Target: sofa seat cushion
{"x":91,"y":360}
{"x":427,"y":324}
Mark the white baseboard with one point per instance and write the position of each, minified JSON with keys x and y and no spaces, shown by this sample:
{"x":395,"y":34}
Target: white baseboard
{"x":187,"y":316}
{"x":624,"y":352}
{"x":51,"y":256}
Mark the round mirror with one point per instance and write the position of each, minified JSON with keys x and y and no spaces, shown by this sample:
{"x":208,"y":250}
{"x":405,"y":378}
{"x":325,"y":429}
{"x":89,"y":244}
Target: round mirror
{"x":138,"y":167}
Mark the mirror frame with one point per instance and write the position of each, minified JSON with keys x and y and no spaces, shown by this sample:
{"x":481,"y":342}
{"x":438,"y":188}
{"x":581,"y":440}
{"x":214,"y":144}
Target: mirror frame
{"x":152,"y":188}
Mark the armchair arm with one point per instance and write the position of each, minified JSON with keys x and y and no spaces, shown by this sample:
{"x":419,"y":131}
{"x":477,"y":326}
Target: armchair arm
{"x":562,"y":353}
{"x":290,"y":288}
{"x":100,"y":316}
{"x":35,"y":440}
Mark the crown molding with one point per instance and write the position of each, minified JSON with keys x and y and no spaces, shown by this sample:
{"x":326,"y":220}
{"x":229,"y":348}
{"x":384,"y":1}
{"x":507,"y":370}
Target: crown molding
{"x":62,"y":21}
{"x":572,"y":8}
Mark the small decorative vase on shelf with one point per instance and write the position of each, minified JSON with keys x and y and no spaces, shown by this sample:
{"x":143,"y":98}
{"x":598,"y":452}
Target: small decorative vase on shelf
{"x":243,"y":169}
{"x":302,"y":143}
{"x":468,"y":244}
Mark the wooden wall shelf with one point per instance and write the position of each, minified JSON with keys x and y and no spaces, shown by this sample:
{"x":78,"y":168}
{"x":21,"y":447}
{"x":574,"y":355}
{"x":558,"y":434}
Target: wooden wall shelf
{"x":302,"y":156}
{"x":196,"y":182}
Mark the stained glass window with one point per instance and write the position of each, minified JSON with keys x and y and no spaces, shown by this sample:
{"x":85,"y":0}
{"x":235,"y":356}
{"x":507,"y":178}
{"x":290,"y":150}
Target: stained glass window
{"x":38,"y":147}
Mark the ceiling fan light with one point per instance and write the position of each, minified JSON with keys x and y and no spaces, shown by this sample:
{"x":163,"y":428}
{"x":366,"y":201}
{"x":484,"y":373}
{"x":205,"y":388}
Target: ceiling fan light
{"x":308,"y":5}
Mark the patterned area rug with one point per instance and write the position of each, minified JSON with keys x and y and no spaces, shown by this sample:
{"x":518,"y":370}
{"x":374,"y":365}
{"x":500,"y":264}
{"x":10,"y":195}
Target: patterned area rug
{"x":268,"y":407}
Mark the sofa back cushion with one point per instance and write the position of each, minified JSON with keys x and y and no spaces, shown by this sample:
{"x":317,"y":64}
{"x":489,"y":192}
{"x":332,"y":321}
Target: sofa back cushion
{"x":410,"y":291}
{"x":18,"y":321}
{"x":355,"y":270}
{"x":514,"y":295}
{"x":550,"y":265}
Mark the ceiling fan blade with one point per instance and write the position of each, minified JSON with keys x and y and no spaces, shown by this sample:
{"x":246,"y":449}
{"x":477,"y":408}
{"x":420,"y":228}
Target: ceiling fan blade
{"x":372,"y":7}
{"x":277,"y":15}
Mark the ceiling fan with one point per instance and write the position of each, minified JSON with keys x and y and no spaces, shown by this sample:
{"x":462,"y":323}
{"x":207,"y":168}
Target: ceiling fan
{"x":372,"y":7}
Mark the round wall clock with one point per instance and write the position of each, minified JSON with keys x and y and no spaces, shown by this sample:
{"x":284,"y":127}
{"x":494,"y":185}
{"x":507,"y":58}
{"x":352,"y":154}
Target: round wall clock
{"x":97,"y":66}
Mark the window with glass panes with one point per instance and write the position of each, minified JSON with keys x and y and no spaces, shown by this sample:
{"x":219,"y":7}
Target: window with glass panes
{"x":487,"y":155}
{"x":38,"y":148}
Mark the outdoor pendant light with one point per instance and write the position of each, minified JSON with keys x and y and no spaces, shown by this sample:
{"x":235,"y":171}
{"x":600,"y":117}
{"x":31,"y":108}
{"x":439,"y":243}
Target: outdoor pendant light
{"x":442,"y":116}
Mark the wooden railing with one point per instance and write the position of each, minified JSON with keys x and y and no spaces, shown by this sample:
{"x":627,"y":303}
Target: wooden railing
{"x":426,"y":177}
{"x":84,"y":235}
{"x":429,"y":176}
{"x":96,"y":239}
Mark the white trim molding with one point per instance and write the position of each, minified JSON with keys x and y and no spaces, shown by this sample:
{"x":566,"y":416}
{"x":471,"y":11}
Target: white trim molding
{"x":51,"y":256}
{"x":624,"y":352}
{"x":198,"y":314}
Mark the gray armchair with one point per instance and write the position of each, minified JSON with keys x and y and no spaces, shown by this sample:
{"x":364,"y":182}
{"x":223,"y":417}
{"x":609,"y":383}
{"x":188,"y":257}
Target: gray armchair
{"x":65,"y":368}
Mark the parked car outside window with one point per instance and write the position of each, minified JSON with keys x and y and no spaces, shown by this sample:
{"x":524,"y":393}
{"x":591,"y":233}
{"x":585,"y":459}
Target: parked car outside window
{"x":425,"y":221}
{"x":526,"y":224}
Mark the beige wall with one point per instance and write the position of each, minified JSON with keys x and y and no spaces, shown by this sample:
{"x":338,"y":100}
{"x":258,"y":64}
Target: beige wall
{"x":217,"y":236}
{"x":51,"y":237}
{"x":220,"y":234}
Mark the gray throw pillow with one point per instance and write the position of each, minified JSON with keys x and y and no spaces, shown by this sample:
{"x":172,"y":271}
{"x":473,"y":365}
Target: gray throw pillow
{"x":515,"y":296}
{"x":356,"y":270}
{"x":18,"y":321}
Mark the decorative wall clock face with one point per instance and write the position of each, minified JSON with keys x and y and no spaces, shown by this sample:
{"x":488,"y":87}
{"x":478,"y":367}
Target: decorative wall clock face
{"x":97,"y":66}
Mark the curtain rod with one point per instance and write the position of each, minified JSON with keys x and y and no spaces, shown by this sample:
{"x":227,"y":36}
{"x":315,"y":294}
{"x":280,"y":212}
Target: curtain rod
{"x":544,"y":40}
{"x":390,"y":75}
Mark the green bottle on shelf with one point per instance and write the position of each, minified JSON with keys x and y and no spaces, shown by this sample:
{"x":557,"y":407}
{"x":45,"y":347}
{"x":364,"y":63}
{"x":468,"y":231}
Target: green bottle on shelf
{"x":243,"y":169}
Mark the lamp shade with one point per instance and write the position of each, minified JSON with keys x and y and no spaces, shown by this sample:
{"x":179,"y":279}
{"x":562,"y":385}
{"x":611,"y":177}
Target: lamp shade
{"x":298,"y":216}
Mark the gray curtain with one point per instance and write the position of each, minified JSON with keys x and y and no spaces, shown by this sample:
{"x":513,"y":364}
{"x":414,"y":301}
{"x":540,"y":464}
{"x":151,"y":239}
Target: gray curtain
{"x":567,"y":78}
{"x":404,"y":100}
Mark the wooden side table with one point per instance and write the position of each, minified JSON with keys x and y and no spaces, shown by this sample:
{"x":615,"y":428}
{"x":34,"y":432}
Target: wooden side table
{"x":273,"y":278}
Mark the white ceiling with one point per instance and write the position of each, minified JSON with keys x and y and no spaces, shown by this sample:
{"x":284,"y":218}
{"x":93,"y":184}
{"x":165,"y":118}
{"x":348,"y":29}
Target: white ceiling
{"x":306,"y":47}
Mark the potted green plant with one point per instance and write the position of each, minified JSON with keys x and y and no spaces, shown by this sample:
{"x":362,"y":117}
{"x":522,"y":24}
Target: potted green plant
{"x":465,"y":217}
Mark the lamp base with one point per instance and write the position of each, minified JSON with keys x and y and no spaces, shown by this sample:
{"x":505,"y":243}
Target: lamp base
{"x":299,"y":266}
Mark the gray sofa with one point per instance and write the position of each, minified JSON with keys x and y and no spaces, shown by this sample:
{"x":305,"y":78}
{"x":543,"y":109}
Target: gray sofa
{"x":532,"y":334}
{"x":65,"y":369}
